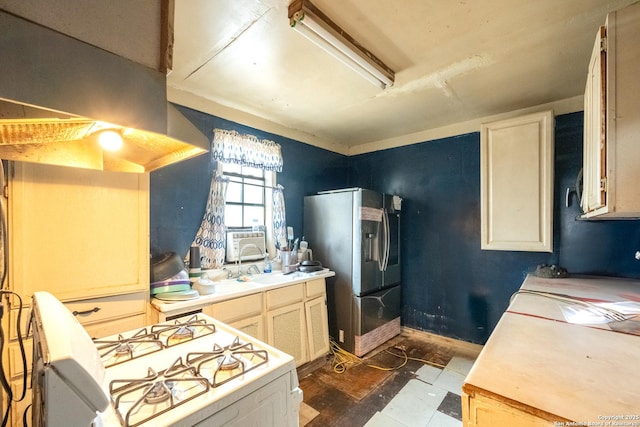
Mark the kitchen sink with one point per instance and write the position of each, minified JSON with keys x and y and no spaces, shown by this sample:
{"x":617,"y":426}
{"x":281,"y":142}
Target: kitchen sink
{"x":249,"y":282}
{"x":270,"y":278}
{"x":253,"y":283}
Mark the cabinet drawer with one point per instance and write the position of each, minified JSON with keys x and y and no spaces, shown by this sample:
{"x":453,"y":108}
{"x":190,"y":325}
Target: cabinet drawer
{"x":283,"y":296}
{"x":97,"y":330}
{"x":108,"y":308}
{"x":316,"y":288}
{"x":113,"y":327}
{"x":486,"y":412}
{"x":100,"y":309}
{"x":237,"y":308}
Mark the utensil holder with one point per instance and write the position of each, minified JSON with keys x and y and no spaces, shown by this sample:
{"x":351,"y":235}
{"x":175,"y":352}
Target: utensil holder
{"x":289,"y":260}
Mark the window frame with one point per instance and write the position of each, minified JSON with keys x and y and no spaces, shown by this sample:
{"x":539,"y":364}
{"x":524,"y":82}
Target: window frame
{"x":242,"y":179}
{"x":269,"y":182}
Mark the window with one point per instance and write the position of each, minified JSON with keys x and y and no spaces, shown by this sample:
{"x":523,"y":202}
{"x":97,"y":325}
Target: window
{"x":246,"y":202}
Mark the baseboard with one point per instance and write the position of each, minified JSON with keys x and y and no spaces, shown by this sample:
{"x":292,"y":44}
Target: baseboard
{"x":462,"y":346}
{"x":310,"y":367}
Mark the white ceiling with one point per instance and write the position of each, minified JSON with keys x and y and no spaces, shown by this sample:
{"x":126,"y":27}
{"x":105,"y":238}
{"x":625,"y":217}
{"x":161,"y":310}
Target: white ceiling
{"x":456,"y":62}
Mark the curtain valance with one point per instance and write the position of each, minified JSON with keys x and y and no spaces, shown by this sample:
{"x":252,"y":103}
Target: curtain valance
{"x":246,"y":150}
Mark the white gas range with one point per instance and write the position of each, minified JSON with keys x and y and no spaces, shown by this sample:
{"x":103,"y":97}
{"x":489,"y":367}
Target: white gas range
{"x":186,"y":372}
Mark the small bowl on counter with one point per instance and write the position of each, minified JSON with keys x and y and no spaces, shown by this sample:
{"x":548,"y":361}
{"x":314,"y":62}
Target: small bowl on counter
{"x":215,"y":275}
{"x":204,"y":285}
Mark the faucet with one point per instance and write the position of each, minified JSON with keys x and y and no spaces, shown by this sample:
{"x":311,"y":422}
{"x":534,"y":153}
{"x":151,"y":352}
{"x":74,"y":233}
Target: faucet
{"x":254,"y":267}
{"x":239,"y":261}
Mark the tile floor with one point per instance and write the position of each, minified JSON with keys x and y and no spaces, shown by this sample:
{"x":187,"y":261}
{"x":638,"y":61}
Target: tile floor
{"x":432,"y":399}
{"x":417,"y":394}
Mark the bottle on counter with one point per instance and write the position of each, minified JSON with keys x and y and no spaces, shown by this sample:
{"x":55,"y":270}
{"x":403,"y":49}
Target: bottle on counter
{"x":195,"y":270}
{"x":267,"y":264}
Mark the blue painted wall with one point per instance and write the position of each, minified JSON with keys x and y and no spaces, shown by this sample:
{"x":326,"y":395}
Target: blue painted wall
{"x":450,"y":286}
{"x":179,"y":192}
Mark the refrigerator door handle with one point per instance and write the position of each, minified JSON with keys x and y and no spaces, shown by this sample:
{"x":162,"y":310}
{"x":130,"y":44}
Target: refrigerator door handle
{"x":381,"y":242}
{"x":386,"y":239}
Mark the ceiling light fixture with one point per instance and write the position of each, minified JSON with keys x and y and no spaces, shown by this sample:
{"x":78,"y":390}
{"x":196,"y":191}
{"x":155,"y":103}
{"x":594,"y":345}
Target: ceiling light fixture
{"x":309,"y":21}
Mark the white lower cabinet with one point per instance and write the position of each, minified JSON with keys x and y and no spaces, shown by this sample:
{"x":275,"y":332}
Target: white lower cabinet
{"x":291,"y":318}
{"x":253,"y":326}
{"x":286,"y":331}
{"x":286,"y":324}
{"x":317,"y":327}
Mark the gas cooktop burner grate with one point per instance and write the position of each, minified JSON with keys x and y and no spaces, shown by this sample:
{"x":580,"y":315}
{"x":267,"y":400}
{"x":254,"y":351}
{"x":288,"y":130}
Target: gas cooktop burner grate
{"x":113,"y":352}
{"x":139,"y":400}
{"x":223,"y":364}
{"x":182,"y":330}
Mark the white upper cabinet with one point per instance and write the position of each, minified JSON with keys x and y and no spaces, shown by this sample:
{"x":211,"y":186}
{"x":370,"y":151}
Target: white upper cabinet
{"x":611,"y":171}
{"x":516,"y":183}
{"x":77,"y":233}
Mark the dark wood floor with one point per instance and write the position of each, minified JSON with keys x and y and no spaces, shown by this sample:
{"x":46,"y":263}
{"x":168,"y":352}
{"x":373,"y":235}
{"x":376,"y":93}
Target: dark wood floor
{"x":351,"y":398}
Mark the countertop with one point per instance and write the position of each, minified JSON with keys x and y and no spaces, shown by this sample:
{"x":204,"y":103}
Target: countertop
{"x":537,"y":360}
{"x":232,"y":288}
{"x":612,"y":291}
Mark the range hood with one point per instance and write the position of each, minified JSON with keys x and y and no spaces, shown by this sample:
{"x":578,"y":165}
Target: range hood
{"x":58,"y":93}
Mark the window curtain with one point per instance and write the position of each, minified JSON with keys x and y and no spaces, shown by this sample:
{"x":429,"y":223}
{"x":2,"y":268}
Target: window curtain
{"x":211,"y":236}
{"x":279,"y":215}
{"x":231,"y":147}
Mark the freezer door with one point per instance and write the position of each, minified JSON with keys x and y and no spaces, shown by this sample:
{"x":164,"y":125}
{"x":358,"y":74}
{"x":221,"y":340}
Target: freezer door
{"x":368,"y":257}
{"x":376,"y":309}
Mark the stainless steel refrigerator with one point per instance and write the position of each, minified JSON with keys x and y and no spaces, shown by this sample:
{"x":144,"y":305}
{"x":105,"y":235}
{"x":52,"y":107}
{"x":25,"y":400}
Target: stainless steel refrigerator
{"x":356,"y":233}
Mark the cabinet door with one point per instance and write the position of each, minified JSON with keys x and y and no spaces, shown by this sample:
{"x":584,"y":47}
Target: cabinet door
{"x":595,"y":114}
{"x":317,"y":327}
{"x":516,"y":174}
{"x":78,"y":233}
{"x":19,"y":409}
{"x":286,"y":331}
{"x":612,"y":114}
{"x":253,"y":326}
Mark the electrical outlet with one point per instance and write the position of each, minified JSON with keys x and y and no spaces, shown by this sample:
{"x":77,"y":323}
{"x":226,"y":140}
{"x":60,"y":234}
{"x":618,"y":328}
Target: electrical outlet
{"x":341,"y":337}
